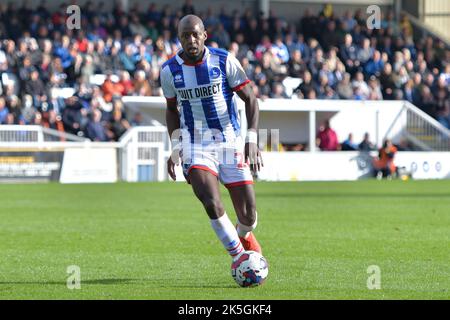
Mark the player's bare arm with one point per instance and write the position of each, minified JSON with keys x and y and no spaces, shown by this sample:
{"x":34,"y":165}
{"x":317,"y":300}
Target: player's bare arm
{"x":173,"y":123}
{"x":252,"y":153}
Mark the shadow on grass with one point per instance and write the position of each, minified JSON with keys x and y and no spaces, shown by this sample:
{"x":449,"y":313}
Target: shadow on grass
{"x":155,"y":283}
{"x":93,"y":281}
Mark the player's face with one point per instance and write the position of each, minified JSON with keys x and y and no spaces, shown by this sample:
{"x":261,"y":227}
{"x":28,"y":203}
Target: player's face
{"x":192,"y":39}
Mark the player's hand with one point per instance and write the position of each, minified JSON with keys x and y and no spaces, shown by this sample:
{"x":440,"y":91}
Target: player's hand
{"x":253,"y":156}
{"x":171,"y":169}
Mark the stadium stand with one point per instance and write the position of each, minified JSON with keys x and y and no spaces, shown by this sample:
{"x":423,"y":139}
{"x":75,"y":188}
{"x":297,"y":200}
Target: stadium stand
{"x":73,"y":80}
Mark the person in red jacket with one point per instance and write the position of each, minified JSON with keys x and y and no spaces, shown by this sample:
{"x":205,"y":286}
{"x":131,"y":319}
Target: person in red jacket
{"x":327,"y":138}
{"x":111,"y":89}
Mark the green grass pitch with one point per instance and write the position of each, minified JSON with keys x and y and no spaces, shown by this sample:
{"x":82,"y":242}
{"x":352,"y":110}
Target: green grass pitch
{"x":154,"y":241}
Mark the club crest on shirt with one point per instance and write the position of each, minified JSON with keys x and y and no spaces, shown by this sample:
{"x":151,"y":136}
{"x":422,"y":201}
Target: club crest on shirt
{"x":214,"y":73}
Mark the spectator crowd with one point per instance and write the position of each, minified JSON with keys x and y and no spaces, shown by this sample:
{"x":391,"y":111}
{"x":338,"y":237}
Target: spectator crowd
{"x":73,"y":80}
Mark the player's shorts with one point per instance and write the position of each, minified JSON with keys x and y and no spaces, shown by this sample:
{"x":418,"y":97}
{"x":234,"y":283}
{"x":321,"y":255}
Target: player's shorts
{"x":227,"y":164}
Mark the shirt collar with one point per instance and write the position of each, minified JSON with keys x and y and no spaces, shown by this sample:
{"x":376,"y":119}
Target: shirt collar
{"x":181,"y":61}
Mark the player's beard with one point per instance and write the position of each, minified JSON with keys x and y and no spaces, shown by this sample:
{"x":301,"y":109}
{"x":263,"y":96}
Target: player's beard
{"x":197,"y":57}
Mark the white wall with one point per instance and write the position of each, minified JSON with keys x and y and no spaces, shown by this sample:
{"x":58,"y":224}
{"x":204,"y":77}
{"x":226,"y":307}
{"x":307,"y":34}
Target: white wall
{"x":329,"y":166}
{"x":291,"y":117}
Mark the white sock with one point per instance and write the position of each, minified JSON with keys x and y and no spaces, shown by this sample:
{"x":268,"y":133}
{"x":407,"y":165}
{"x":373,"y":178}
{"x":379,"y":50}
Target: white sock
{"x":244,"y":230}
{"x":227,"y":234}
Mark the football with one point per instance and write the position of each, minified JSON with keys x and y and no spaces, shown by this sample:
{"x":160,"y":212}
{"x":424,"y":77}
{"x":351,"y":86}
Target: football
{"x":250,"y":269}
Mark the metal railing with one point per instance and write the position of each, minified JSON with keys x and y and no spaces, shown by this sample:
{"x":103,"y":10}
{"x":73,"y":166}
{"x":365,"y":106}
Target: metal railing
{"x":33,"y":133}
{"x":421,"y":130}
{"x":143,"y":153}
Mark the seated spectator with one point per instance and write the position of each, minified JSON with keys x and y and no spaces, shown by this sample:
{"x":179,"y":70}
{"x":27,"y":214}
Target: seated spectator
{"x":271,"y":68}
{"x":36,"y":89}
{"x":306,"y":86}
{"x":399,"y":61}
{"x":348,"y":54}
{"x":446,"y":74}
{"x":62,"y":52}
{"x":261,"y":82}
{"x":113,"y":60}
{"x":387,"y":82}
{"x":442,"y":109}
{"x":358,"y":94}
{"x":244,"y":50}
{"x":401,"y":78}
{"x":136,"y":27}
{"x":321,"y":87}
{"x":361,"y":86}
{"x":427,"y":101}
{"x":127,"y":58}
{"x":110,"y":88}
{"x":344,"y":88}
{"x":365,"y":52}
{"x":141,"y":85}
{"x":278,"y":91}
{"x":119,"y":125}
{"x":248,"y":68}
{"x":53,"y":121}
{"x":11,"y":120}
{"x":37,"y":118}
{"x":125,"y":83}
{"x":280,"y":50}
{"x":349,"y":144}
{"x":87,"y":69}
{"x":98,"y":31}
{"x":375,"y":65}
{"x":95,"y":129}
{"x":348,"y":21}
{"x":97,"y":98}
{"x":263,"y":47}
{"x":142,"y":54}
{"x":326,"y":138}
{"x":311,"y":94}
{"x":316,"y":62}
{"x":15,"y":110}
{"x":44,"y":67}
{"x":408,"y":91}
{"x":155,"y":84}
{"x":329,"y":94}
{"x":25,"y":69}
{"x":309,"y":24}
{"x":374,"y":89}
{"x":303,"y":47}
{"x":74,"y":116}
{"x":296,"y":65}
{"x":332,"y":61}
{"x":3,"y":111}
{"x":138,"y":120}
{"x":221,"y":36}
{"x":330,"y":38}
{"x":366,"y":145}
{"x":81,"y":41}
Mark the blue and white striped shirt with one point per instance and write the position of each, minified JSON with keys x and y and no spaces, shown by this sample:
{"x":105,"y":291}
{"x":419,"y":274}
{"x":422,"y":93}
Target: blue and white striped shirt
{"x":205,"y":93}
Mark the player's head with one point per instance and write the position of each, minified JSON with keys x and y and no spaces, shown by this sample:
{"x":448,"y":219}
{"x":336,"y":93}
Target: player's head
{"x":387,"y":143}
{"x":192,"y":36}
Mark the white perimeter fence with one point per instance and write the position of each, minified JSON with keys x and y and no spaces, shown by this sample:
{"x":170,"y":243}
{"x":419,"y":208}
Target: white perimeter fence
{"x":34,"y":153}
